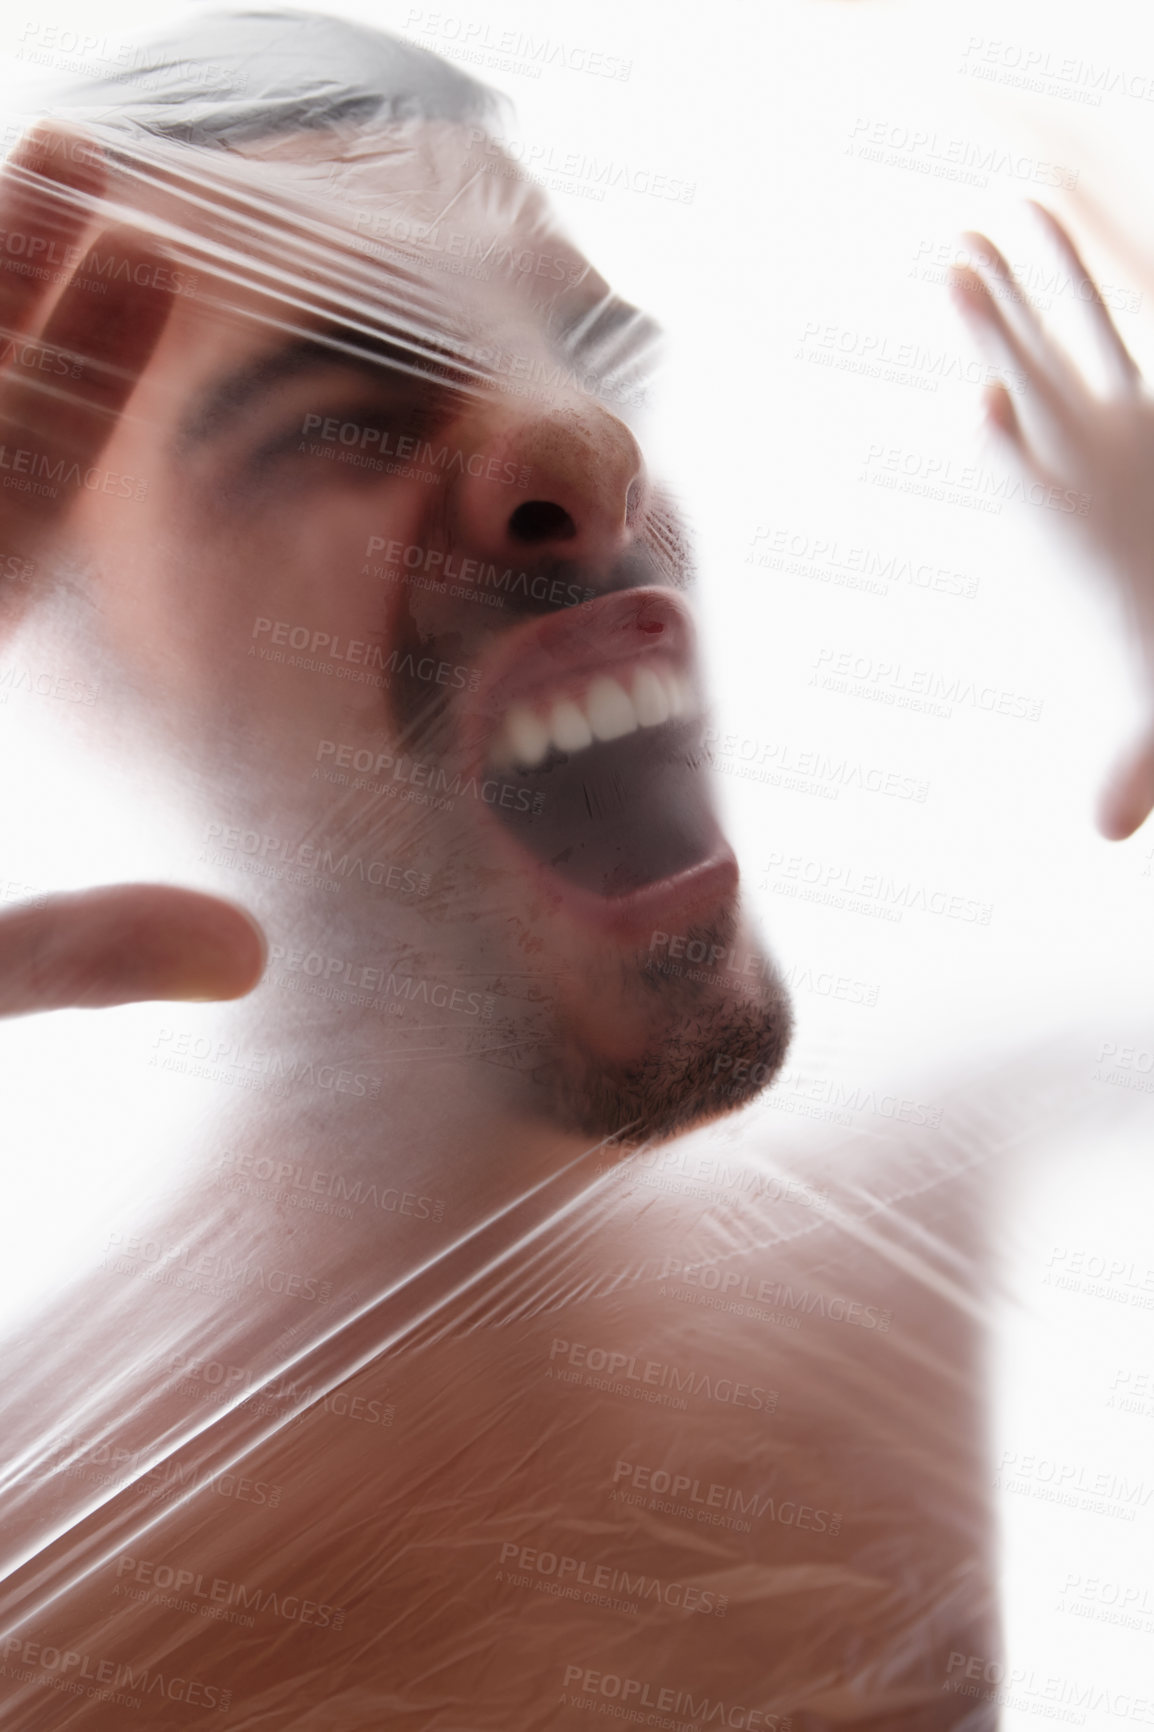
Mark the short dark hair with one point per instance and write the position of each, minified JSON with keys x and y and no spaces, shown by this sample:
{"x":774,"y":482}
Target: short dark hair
{"x":227,"y":77}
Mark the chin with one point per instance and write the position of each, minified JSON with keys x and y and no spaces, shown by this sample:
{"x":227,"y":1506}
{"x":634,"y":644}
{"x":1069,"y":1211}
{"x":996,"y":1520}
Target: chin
{"x":710,"y":1051}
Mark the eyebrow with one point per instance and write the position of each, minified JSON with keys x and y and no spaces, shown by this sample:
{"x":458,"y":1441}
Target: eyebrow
{"x":331,"y":346}
{"x":367,"y":352}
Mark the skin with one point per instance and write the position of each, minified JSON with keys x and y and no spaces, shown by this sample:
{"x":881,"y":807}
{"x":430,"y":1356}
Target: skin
{"x":242,"y":527}
{"x":454,"y":1326}
{"x":1096,"y":441}
{"x":123,"y":943}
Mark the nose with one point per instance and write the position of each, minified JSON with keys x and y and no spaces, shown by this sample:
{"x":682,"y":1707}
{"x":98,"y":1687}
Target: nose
{"x":568,"y":481}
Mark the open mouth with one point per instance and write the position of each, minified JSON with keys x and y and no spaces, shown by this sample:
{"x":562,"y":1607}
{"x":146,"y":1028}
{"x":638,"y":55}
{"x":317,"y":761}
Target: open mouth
{"x":594,"y":718}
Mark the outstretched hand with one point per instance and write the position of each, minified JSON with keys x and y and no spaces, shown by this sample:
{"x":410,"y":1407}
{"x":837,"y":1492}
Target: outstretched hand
{"x":1099,"y":443}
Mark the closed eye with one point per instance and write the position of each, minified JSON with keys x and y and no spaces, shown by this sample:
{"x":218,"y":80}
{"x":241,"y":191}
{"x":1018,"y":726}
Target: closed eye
{"x":351,"y":431}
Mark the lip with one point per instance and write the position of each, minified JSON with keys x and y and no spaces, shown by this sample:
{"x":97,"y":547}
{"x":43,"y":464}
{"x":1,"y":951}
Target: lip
{"x":552,"y":657}
{"x":546,"y":658}
{"x":697,"y":892}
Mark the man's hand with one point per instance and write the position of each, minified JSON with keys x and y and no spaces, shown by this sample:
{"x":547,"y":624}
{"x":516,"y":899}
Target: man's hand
{"x":73,"y":343}
{"x":70,"y":356}
{"x":96,"y":948}
{"x":1071,"y":437}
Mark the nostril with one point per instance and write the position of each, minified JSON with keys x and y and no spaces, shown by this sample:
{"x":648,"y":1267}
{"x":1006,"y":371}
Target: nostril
{"x":541,"y":520}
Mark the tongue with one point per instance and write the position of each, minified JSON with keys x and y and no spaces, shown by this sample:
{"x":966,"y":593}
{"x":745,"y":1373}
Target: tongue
{"x":621,"y":814}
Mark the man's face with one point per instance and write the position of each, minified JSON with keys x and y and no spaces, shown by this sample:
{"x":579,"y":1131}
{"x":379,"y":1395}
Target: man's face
{"x":402,"y":583}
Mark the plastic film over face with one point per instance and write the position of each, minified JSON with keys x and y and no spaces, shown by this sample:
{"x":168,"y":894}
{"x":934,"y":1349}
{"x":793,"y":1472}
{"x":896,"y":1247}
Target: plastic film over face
{"x":426,"y":1353}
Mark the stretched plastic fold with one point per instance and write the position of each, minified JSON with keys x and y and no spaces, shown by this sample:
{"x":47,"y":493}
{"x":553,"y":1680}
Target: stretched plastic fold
{"x":404,"y":1372}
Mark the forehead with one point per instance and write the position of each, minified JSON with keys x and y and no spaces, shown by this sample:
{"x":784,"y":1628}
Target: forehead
{"x":422,"y":223}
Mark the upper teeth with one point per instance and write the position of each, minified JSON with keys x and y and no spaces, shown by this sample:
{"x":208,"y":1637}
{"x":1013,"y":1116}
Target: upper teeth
{"x":610,"y":707}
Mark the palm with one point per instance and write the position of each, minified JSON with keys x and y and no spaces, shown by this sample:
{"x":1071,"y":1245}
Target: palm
{"x":107,"y":946}
{"x":1096,"y":447}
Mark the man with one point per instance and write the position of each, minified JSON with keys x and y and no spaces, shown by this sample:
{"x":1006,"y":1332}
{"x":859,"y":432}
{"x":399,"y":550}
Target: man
{"x":437,"y":1413}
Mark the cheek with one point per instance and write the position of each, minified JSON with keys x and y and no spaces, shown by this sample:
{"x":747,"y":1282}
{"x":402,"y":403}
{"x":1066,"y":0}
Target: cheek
{"x":282,"y":616}
{"x":314,"y":558}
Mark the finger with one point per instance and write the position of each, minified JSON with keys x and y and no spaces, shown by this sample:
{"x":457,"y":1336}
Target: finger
{"x":47,"y":190}
{"x":1003,"y":418}
{"x":109,"y":337}
{"x":1014,"y":294}
{"x":1128,"y":797}
{"x":1117,"y":355}
{"x":978,"y":306}
{"x":125,"y":943}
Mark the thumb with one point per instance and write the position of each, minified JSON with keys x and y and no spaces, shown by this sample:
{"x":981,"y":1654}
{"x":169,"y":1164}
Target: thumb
{"x":124,"y":943}
{"x":1127,"y":799}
